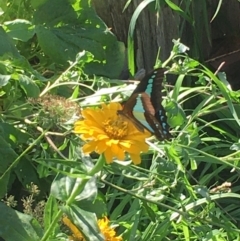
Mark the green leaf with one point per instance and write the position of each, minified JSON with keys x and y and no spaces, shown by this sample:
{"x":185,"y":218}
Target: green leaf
{"x":19,"y":29}
{"x":13,"y":135}
{"x":29,"y":86}
{"x":98,"y":206}
{"x":178,"y":47}
{"x":26,"y":173}
{"x":139,"y":9}
{"x":235,"y":146}
{"x":48,"y":14}
{"x":114,"y":54}
{"x":217,"y":10}
{"x":175,"y":114}
{"x":50,"y":211}
{"x":63,"y":188}
{"x":179,"y":10}
{"x":7,"y":45}
{"x":60,"y":47}
{"x":7,"y":156}
{"x":4,"y":79}
{"x":16,"y":226}
{"x":4,"y":181}
{"x":135,"y":16}
{"x":225,"y":93}
{"x":84,"y":57}
{"x":63,"y":33}
{"x":1,"y":11}
{"x":66,"y":167}
{"x":37,"y":3}
{"x":150,"y":212}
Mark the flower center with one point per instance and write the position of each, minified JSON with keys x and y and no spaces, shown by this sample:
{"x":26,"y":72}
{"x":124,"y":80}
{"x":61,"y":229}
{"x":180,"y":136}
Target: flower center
{"x":115,"y":129}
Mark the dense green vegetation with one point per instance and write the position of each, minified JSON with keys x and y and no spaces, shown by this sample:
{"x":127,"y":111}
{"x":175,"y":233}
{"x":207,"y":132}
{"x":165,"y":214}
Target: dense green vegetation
{"x":55,"y":61}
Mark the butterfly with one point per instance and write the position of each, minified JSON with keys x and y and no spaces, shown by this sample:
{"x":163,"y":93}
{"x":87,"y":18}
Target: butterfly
{"x":144,"y":106}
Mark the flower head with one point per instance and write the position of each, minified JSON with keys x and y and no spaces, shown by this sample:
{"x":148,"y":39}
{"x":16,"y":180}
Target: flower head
{"x":76,"y":234}
{"x":107,"y":231}
{"x":53,"y":110}
{"x":103,"y":224}
{"x":111,"y":134}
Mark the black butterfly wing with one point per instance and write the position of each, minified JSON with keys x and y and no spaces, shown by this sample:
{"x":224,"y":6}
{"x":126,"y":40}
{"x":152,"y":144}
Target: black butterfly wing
{"x":156,"y":100}
{"x":128,"y":112}
{"x":144,"y":106}
{"x":154,"y":121}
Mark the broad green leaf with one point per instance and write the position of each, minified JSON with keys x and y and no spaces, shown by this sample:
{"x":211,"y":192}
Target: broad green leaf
{"x":63,"y":187}
{"x":13,"y":135}
{"x":4,"y":79}
{"x":98,"y":206}
{"x":7,"y":156}
{"x":48,"y":14}
{"x":62,"y":45}
{"x":26,"y":173}
{"x":4,"y":182}
{"x":1,"y":11}
{"x":63,"y":33}
{"x":114,"y":54}
{"x":37,"y":3}
{"x":20,"y":29}
{"x":29,"y":86}
{"x":7,"y":46}
{"x":175,"y":113}
{"x":16,"y":226}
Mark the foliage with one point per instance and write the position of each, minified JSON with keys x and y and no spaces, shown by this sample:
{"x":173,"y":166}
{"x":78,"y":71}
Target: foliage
{"x":184,"y":189}
{"x":51,"y":37}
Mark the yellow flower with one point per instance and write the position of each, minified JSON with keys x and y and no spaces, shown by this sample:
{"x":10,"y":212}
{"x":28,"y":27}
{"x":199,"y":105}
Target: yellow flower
{"x":107,"y":231}
{"x":103,"y":224}
{"x":76,"y":234}
{"x":111,"y":134}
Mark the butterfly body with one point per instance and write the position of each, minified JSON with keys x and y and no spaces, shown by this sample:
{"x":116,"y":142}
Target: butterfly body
{"x":144,"y":106}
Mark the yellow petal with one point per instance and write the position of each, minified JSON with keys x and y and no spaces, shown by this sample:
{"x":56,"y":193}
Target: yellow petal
{"x":125,"y":144}
{"x":89,"y":147}
{"x":101,"y":147}
{"x":102,"y":136}
{"x":112,"y":142}
{"x":95,"y":117}
{"x":118,"y":152}
{"x":137,"y":148}
{"x":108,"y":155}
{"x":135,"y":159}
{"x":138,"y":135}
